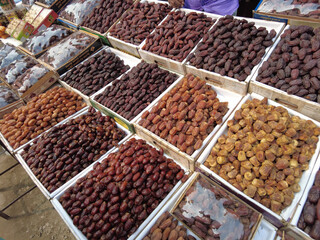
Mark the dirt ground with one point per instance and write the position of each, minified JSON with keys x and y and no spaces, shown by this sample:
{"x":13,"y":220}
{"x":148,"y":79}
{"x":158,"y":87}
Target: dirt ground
{"x":33,"y":216}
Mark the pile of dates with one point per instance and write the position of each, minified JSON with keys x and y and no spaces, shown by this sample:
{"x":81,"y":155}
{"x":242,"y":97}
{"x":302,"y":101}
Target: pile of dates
{"x":95,"y":73}
{"x":139,"y":22}
{"x":41,"y":113}
{"x":212,"y":214}
{"x":113,"y":199}
{"x":106,"y":14}
{"x":309,"y":220}
{"x":294,"y":65}
{"x":167,"y":228}
{"x":67,"y":149}
{"x":135,"y":90}
{"x":264,"y":153}
{"x":186,"y":115}
{"x":232,"y":48}
{"x":178,"y":34}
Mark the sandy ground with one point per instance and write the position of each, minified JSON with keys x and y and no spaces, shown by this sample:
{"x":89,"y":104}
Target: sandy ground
{"x":33,"y":216}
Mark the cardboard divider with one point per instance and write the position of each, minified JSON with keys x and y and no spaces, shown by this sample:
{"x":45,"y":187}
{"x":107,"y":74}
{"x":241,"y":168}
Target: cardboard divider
{"x":228,"y":82}
{"x":277,"y":220}
{"x":299,"y":104}
{"x":168,"y":63}
{"x":45,"y":192}
{"x":185,"y":159}
{"x":119,"y":119}
{"x":77,"y":233}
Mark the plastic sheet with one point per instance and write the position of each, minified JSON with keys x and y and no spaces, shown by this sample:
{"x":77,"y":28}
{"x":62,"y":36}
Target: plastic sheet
{"x":77,"y":10}
{"x":29,"y":78}
{"x":43,"y":40}
{"x":17,"y":68}
{"x":7,"y":96}
{"x":302,"y":8}
{"x":67,"y":49}
{"x":210,"y":212}
{"x":47,"y":2}
{"x":9,"y":57}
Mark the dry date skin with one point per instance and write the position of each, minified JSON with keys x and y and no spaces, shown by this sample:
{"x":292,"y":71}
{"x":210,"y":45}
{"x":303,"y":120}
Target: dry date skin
{"x":136,"y":89}
{"x":178,"y":34}
{"x":265,"y":152}
{"x":139,"y":22}
{"x":310,"y":216}
{"x":114,"y":198}
{"x":41,"y":113}
{"x":212,"y":214}
{"x":186,"y":115}
{"x":106,"y":14}
{"x":166,"y":227}
{"x":294,"y":65}
{"x":232,"y":48}
{"x":95,"y":73}
{"x":67,"y":149}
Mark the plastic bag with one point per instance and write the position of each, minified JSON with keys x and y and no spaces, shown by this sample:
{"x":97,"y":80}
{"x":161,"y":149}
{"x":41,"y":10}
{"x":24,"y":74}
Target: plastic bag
{"x":7,"y":96}
{"x":10,"y":57}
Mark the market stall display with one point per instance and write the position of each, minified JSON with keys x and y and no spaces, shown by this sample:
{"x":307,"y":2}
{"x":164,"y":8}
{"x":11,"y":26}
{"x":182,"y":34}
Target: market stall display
{"x":40,"y":42}
{"x":290,"y":73}
{"x":211,"y":212}
{"x":176,"y":36}
{"x":106,"y":14}
{"x":136,"y":24}
{"x":41,"y":113}
{"x":125,"y":191}
{"x":64,"y":151}
{"x":8,"y":54}
{"x":7,"y":96}
{"x":96,"y":72}
{"x":135,"y":90}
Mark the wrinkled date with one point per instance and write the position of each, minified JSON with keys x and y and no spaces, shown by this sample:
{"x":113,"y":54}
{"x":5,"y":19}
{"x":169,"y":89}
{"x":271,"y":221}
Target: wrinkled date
{"x":135,"y":90}
{"x":66,"y":150}
{"x":265,"y":152}
{"x":40,"y":114}
{"x":186,"y":115}
{"x":139,"y":22}
{"x":95,"y":73}
{"x":113,"y":199}
{"x":178,"y":34}
{"x":232,"y":48}
{"x":294,"y":65}
{"x":212,"y":214}
{"x":309,"y":220}
{"x":106,"y":14}
{"x":309,"y":10}
{"x":167,"y":228}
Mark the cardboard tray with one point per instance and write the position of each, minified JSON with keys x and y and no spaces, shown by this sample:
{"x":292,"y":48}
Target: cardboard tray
{"x":185,"y":159}
{"x":119,"y":119}
{"x":88,"y":51}
{"x":228,"y":82}
{"x":287,"y":19}
{"x":129,"y":47}
{"x":194,"y":178}
{"x":127,"y":59}
{"x":45,"y":192}
{"x":299,"y":104}
{"x":76,"y":232}
{"x":9,"y":147}
{"x":167,"y":62}
{"x":275,"y":219}
{"x":298,"y":212}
